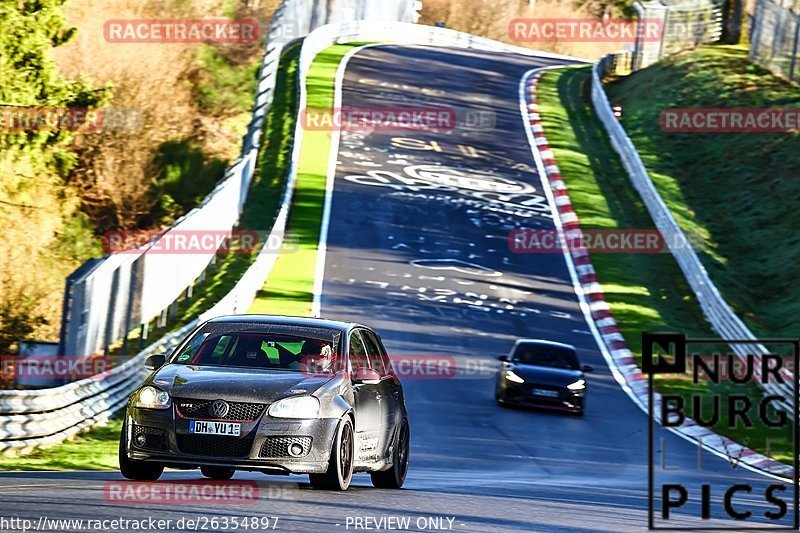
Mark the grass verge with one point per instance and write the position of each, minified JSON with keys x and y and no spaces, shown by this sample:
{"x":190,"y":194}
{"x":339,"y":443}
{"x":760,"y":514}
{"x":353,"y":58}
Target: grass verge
{"x":289,"y":289}
{"x":646,"y":292}
{"x":730,"y":191}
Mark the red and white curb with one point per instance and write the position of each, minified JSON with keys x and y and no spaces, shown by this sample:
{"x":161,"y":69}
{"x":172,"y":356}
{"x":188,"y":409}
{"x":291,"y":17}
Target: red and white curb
{"x":590,"y":292}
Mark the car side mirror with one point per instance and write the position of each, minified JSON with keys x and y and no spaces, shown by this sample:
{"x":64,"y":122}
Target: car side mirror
{"x":503,"y":358}
{"x":587,"y":368}
{"x":366,"y":376}
{"x":154,"y":362}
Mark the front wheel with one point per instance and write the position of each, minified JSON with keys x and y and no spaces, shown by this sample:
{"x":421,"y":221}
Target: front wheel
{"x":133,"y":469}
{"x":396,"y":475}
{"x":340,"y":465}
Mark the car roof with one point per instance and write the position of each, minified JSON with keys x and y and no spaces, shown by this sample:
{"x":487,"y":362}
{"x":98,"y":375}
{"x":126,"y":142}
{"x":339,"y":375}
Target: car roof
{"x":543,"y":342}
{"x":287,"y":320}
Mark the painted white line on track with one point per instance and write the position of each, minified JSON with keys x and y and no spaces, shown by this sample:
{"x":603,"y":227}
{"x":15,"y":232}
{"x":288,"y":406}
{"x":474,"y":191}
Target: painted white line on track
{"x":333,"y":156}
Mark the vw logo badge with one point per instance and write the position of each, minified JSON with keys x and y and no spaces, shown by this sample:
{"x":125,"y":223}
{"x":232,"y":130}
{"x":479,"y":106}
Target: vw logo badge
{"x":219,"y":408}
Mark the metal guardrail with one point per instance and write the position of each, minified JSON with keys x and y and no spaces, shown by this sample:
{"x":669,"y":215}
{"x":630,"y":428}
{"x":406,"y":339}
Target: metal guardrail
{"x":716,"y":310}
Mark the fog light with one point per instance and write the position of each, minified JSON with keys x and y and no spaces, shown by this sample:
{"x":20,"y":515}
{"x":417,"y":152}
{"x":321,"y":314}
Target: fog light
{"x":140,"y":440}
{"x":295,"y":450}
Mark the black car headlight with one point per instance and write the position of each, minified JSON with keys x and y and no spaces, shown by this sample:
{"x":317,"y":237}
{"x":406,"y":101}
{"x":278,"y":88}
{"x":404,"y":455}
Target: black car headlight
{"x":577,"y":386}
{"x":152,"y":398}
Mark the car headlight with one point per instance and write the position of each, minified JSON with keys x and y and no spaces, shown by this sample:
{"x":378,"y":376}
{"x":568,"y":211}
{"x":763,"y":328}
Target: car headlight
{"x":578,"y":385}
{"x":295,"y":407}
{"x":511,"y":376}
{"x":153,"y":398}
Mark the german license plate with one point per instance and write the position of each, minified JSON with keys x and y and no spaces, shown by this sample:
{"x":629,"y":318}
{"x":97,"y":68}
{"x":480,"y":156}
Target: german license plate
{"x":548,"y":393}
{"x":215,"y":428}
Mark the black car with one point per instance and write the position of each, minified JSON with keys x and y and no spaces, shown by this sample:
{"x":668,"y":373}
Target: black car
{"x":274,"y":394}
{"x":542,"y":374}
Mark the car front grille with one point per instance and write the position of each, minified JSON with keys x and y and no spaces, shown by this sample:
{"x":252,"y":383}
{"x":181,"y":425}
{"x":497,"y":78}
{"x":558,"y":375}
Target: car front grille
{"x":155,"y":439}
{"x":279,"y":446}
{"x":198,"y":409}
{"x":214,"y":445}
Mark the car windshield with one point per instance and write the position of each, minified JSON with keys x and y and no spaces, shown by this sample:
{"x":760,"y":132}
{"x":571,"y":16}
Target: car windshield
{"x":262,"y":346}
{"x":546,"y":355}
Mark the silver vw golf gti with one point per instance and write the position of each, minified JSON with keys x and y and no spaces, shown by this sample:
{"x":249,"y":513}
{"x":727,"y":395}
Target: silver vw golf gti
{"x":281,"y":395}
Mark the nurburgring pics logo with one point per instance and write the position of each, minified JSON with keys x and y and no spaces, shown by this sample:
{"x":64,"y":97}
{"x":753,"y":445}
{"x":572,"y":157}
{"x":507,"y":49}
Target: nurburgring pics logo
{"x":710,"y":120}
{"x":611,"y":30}
{"x":212,"y":30}
{"x":717,"y":393}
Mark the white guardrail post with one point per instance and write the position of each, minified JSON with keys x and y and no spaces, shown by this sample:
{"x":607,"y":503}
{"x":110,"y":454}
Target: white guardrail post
{"x":716,"y":310}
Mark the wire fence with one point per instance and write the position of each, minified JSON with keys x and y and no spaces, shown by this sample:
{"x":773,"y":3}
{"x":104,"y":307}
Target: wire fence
{"x":775,"y":37}
{"x":684,"y":24}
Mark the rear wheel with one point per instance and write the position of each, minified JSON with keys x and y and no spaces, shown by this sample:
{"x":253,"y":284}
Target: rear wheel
{"x":340,"y":465}
{"x":396,"y":475}
{"x":217,"y":472}
{"x":133,"y":469}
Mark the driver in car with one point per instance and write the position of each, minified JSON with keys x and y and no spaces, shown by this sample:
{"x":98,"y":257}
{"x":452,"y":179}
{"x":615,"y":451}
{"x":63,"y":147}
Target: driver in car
{"x":314,"y":357}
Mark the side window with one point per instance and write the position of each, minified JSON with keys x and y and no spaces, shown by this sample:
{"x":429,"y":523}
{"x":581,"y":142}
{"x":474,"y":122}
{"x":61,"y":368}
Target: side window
{"x":358,"y":354}
{"x":374,"y":353}
{"x":191,"y":349}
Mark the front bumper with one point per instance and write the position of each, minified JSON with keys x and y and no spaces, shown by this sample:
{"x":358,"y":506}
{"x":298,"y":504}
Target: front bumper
{"x":523,"y":394}
{"x":263,"y":444}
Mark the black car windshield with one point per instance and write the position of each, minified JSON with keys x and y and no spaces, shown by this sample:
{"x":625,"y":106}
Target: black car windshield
{"x":262,"y":346}
{"x":546,"y":355}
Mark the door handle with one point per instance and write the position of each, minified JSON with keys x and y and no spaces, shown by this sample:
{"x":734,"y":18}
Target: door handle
{"x":378,"y":397}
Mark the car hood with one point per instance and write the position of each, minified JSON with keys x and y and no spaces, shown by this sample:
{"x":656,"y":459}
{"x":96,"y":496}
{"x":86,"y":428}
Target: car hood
{"x":542,"y":375}
{"x":234,"y":384}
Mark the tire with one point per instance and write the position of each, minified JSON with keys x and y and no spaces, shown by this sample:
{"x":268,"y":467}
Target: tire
{"x":340,"y":465}
{"x":133,"y":469}
{"x":396,"y":475}
{"x":217,"y":472}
